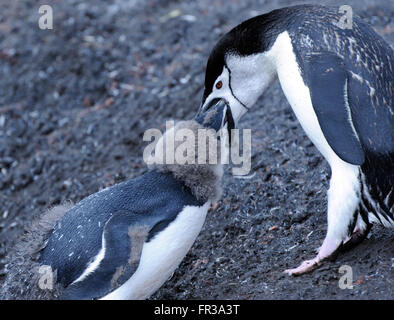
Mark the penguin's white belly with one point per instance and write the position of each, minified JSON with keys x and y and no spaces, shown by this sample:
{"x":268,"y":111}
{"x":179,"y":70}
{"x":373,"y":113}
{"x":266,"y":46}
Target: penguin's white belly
{"x":162,"y":255}
{"x":344,"y":183}
{"x":298,"y":94}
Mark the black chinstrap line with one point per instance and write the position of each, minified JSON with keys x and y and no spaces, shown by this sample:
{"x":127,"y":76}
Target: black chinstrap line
{"x":231,"y":89}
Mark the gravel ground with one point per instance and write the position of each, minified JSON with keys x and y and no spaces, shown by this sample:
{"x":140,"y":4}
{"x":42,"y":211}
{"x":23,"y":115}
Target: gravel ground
{"x":75,"y":101}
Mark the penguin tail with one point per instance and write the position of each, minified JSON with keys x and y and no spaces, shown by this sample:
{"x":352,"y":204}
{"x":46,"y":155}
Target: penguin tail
{"x":377,"y":176}
{"x":26,"y":278}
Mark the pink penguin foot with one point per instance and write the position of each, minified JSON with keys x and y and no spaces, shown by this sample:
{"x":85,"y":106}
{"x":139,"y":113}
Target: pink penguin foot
{"x":327,"y":250}
{"x":304,"y":267}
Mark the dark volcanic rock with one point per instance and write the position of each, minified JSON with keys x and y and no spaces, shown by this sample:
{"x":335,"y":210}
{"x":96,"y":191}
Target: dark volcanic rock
{"x":76,"y":100}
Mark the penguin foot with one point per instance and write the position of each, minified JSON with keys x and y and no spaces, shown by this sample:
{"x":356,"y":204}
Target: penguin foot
{"x":306,"y":266}
{"x":328,"y":250}
{"x":357,"y":237}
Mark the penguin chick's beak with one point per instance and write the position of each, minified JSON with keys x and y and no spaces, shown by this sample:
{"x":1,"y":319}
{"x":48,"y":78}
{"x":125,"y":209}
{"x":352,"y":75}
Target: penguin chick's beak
{"x":216,"y":115}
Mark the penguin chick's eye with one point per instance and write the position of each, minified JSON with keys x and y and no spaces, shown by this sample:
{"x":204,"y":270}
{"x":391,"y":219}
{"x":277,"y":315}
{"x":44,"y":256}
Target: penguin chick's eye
{"x":219,"y":85}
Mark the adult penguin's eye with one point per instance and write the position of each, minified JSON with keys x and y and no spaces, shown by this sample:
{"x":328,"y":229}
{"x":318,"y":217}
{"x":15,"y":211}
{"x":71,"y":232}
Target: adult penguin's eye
{"x":219,"y":84}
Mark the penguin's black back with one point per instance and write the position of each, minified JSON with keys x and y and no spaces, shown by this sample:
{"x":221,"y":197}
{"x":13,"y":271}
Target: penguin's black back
{"x":76,"y":240}
{"x":369,"y":63}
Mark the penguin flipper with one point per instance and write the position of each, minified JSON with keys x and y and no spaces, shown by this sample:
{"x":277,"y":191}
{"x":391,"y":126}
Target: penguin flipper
{"x":123,"y":238}
{"x":328,"y":85}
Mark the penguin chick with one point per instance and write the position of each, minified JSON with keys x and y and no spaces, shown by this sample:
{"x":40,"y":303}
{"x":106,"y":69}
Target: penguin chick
{"x":339,"y":83}
{"x":125,"y":241}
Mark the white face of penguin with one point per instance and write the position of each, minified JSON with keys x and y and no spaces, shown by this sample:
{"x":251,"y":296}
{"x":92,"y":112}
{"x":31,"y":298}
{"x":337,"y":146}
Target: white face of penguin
{"x":242,"y":81}
{"x":222,"y":89}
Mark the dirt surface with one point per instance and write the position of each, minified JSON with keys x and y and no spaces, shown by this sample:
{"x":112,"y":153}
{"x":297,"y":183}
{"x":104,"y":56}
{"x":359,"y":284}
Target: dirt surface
{"x":75,"y":101}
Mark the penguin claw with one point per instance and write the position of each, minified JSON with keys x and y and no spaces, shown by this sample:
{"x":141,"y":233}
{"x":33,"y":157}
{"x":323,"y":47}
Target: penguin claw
{"x":304,"y":267}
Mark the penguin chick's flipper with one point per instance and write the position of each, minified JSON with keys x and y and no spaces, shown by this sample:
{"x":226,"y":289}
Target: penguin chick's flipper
{"x":328,"y":85}
{"x":122,"y":242}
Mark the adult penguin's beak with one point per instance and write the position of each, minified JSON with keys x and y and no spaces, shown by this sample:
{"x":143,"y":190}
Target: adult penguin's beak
{"x":216,"y":115}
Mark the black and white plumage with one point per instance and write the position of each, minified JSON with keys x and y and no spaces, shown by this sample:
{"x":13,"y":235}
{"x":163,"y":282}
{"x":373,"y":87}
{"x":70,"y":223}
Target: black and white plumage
{"x":339,"y":83}
{"x":125,"y":241}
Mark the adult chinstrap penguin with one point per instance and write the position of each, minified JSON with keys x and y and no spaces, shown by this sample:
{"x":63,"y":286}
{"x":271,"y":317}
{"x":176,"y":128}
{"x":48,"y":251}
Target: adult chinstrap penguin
{"x":339,"y":82}
{"x":125,"y":241}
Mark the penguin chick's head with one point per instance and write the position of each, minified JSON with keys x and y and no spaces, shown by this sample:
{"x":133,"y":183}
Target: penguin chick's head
{"x":194,"y":150}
